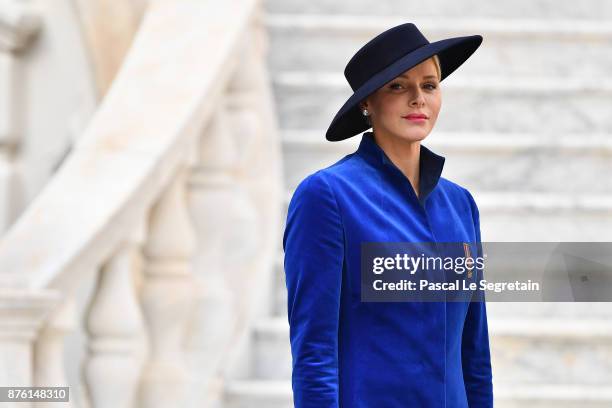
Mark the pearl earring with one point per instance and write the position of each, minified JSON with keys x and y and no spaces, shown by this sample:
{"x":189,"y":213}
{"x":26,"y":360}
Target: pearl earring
{"x":365,"y":112}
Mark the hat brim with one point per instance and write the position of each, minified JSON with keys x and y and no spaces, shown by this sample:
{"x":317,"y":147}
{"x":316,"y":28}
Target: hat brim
{"x":452,"y":52}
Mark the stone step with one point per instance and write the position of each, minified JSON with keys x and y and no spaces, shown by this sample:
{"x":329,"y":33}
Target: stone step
{"x":258,"y":394}
{"x":278,"y":394}
{"x":485,"y":161}
{"x":538,"y":9}
{"x":551,"y":106}
{"x":279,"y":291}
{"x":509,"y":216}
{"x":524,"y":351}
{"x":511,"y":47}
{"x":553,"y":396}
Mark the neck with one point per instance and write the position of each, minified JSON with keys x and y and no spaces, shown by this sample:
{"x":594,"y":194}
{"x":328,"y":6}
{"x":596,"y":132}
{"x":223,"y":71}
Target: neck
{"x":404,"y":154}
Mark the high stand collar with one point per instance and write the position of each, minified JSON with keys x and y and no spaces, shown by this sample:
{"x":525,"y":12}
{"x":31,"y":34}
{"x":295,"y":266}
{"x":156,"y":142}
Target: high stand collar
{"x":430,"y":164}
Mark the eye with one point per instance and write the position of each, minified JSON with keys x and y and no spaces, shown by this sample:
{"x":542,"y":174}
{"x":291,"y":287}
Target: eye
{"x":431,"y":86}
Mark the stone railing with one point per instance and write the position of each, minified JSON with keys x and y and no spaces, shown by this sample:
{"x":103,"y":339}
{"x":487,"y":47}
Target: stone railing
{"x":18,"y":27}
{"x":169,"y":205}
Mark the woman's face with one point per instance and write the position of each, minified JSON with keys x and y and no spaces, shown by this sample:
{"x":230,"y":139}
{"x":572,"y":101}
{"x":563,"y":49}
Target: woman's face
{"x":415,"y":91}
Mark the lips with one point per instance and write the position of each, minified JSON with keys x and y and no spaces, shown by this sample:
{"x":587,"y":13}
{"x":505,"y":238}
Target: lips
{"x":415,"y":116}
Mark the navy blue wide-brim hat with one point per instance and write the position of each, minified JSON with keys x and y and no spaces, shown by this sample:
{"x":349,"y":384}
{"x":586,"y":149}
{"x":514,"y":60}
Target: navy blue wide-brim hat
{"x":384,"y":58}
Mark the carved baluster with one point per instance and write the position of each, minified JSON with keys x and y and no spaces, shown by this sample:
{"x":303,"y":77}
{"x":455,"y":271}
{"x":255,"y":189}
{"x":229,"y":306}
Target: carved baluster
{"x":8,"y":142}
{"x":257,"y":173}
{"x":49,"y":369}
{"x":232,"y":228}
{"x":222,"y":215}
{"x":168,"y":298}
{"x":115,"y":326}
{"x":20,"y":24}
{"x":22,"y":313}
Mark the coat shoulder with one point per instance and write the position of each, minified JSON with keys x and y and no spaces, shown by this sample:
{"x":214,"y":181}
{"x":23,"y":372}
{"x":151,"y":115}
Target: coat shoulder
{"x":458,"y":192}
{"x":345,"y":168}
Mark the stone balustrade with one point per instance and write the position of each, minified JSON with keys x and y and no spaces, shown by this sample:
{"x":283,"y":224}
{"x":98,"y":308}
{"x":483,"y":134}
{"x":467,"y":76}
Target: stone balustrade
{"x":169,"y":204}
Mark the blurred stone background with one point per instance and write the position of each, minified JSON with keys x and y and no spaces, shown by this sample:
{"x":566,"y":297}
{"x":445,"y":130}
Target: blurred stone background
{"x":148,"y":151}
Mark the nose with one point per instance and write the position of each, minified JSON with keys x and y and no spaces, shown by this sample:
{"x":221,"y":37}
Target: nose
{"x":417,"y":99}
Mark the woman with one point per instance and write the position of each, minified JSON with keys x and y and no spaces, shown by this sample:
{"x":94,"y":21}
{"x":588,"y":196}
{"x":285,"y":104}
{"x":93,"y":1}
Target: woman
{"x":349,"y":353}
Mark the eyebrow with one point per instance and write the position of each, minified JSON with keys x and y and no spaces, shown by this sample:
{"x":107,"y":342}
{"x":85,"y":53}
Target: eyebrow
{"x":426,"y":76}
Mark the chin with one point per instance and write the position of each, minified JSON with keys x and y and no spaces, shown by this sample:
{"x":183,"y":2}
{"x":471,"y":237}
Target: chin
{"x":413,"y":135}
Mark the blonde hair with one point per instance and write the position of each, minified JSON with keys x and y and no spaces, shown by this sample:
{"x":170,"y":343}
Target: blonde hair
{"x":436,"y":61}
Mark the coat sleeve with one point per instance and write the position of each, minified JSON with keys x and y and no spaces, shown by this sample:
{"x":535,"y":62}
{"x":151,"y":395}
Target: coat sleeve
{"x":313,"y":243}
{"x":475,"y":352}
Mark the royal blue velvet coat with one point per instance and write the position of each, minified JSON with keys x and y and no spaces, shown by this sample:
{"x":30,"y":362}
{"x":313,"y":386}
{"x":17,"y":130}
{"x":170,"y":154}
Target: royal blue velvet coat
{"x":352,"y":354}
